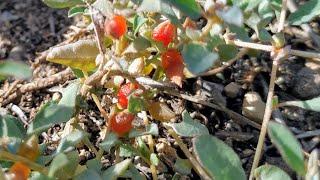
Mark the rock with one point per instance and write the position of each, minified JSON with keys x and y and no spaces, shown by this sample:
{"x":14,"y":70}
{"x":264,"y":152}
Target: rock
{"x":253,"y":107}
{"x":307,"y":84}
{"x":17,"y":53}
{"x":232,"y":89}
{"x":210,"y":91}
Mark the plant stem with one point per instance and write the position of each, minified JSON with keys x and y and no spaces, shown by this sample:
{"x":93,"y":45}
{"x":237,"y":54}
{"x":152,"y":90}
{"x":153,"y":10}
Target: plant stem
{"x":4,"y":155}
{"x":268,"y":109}
{"x":196,"y":165}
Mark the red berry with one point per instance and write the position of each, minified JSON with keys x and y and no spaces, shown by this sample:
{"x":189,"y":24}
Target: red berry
{"x":121,"y":123}
{"x":124,"y":92}
{"x":170,"y":58}
{"x":116,"y":26}
{"x":165,"y":32}
{"x":172,"y":63}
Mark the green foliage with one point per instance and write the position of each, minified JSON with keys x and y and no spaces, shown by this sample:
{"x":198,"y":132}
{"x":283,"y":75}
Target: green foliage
{"x":183,"y":166}
{"x":189,"y":127}
{"x":217,"y":158}
{"x":151,"y":129}
{"x":54,"y":113}
{"x":198,"y":58}
{"x":289,"y":147}
{"x":16,"y":69}
{"x":11,"y":127}
{"x":188,"y":7}
{"x":64,"y":165}
{"x":305,"y":13}
{"x":270,"y":172}
{"x":110,"y":141}
{"x":71,"y":140}
{"x":62,"y":3}
{"x":116,"y":170}
{"x":77,"y":10}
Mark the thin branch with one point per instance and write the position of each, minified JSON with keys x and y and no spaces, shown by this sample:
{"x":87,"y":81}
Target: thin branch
{"x":268,"y":109}
{"x":4,"y":155}
{"x":196,"y":165}
{"x":268,"y":48}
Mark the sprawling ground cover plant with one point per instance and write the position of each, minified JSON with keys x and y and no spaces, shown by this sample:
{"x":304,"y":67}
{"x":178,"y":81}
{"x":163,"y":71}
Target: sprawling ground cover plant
{"x":141,"y":47}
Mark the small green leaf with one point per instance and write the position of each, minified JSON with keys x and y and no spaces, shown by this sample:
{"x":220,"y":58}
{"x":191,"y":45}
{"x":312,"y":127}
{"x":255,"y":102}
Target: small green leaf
{"x":53,"y":113}
{"x":71,"y":140}
{"x":127,"y":150}
{"x":62,"y":3}
{"x":16,"y":69}
{"x":270,"y":172}
{"x":63,"y":166}
{"x":240,"y":32}
{"x":189,"y":127}
{"x":188,"y":7}
{"x":11,"y":127}
{"x":138,"y":22}
{"x":104,"y":6}
{"x":110,"y":141}
{"x":134,"y":174}
{"x":183,"y":166}
{"x":88,"y":174}
{"x":197,"y":58}
{"x":311,"y":104}
{"x":135,"y":104}
{"x":143,"y":148}
{"x":305,"y":13}
{"x":94,"y":164}
{"x":151,"y":129}
{"x":227,"y":51}
{"x":76,"y":11}
{"x":217,"y":158}
{"x":232,"y":16}
{"x":113,"y":172}
{"x":287,"y":144}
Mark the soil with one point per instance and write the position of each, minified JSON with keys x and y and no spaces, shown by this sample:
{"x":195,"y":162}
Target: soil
{"x":29,"y":27}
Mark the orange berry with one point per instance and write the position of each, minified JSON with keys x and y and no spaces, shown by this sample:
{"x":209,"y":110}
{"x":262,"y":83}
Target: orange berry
{"x":20,"y":171}
{"x":116,"y":26}
{"x":165,"y":32}
{"x":121,"y":123}
{"x":124,"y":92}
{"x":172,"y":63}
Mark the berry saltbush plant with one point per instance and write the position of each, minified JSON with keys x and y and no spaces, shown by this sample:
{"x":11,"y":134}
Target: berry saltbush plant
{"x":139,"y":49}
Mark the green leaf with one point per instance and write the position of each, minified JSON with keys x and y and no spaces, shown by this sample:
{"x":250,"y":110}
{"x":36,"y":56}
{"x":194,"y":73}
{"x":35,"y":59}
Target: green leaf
{"x":113,"y":172}
{"x":104,"y":6}
{"x":134,"y":174}
{"x":62,"y":3}
{"x":183,"y":166}
{"x":94,"y":164}
{"x":232,"y":16}
{"x":198,"y":58}
{"x":151,"y":129}
{"x":311,"y":104}
{"x":135,"y":104}
{"x":11,"y":127}
{"x":154,"y":159}
{"x":110,"y":141}
{"x":15,"y":69}
{"x":188,"y":7}
{"x":143,"y":148}
{"x":81,"y":55}
{"x":287,"y":144}
{"x":270,"y":172}
{"x":227,"y":51}
{"x":240,"y":32}
{"x":217,"y":158}
{"x":53,"y":113}
{"x":76,"y":10}
{"x":63,"y":166}
{"x":189,"y":127}
{"x":88,"y":174}
{"x":305,"y":13}
{"x":157,"y":6}
{"x":127,"y":150}
{"x":71,"y":140}
{"x":214,"y":41}
{"x":138,"y":22}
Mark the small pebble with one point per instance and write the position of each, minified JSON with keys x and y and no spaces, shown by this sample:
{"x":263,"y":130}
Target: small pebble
{"x":232,"y":90}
